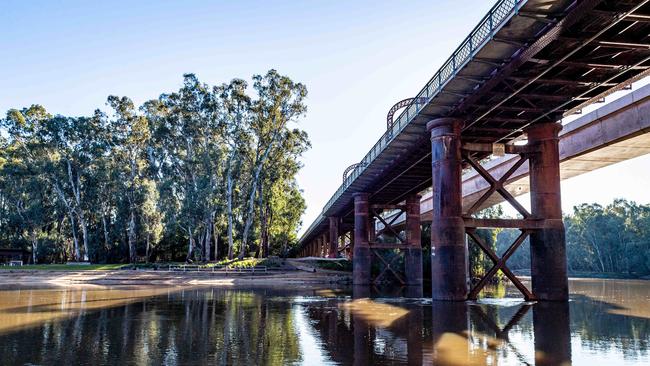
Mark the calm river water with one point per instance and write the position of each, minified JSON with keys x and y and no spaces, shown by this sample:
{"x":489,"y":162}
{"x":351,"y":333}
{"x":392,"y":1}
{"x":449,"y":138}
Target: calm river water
{"x":606,"y":322}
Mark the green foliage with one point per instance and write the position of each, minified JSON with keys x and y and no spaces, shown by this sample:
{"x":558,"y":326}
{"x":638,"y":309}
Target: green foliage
{"x":193,"y":175}
{"x":250,"y":262}
{"x":612,"y":239}
{"x":479,"y":262}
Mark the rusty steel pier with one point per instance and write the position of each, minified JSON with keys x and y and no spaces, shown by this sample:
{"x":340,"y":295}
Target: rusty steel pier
{"x":504,"y":91}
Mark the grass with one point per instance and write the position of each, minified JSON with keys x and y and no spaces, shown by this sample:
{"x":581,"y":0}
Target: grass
{"x":65,"y":267}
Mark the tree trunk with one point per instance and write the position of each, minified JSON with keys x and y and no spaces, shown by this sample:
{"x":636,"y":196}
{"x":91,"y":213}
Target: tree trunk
{"x":75,"y":185}
{"x":208,"y":238}
{"x":251,"y":198}
{"x":84,"y":232}
{"x":131,"y":237}
{"x":34,"y":246}
{"x":75,"y":242}
{"x":146,"y":255}
{"x":105,"y":227}
{"x":191,"y":245}
{"x":229,"y":184}
{"x":262,"y":249}
{"x":216,"y":244}
{"x":265,"y":231}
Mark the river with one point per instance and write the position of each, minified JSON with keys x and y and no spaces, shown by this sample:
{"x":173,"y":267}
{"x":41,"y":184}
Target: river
{"x":606,"y":322}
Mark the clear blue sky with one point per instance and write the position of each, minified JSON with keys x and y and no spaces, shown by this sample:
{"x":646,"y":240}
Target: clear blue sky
{"x":357,"y":58}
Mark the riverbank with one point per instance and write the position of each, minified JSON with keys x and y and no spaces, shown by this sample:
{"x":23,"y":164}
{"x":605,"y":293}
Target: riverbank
{"x":595,"y":275}
{"x":171,"y":278}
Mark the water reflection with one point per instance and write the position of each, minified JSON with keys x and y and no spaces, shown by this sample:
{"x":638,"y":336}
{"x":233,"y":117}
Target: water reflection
{"x":272,"y":326}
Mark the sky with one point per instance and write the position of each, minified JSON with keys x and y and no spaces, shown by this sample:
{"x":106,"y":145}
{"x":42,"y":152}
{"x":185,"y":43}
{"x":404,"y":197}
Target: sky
{"x":357,"y":58}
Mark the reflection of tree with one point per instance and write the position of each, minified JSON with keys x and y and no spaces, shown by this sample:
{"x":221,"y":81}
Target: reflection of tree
{"x":600,"y":329}
{"x":218,"y":326}
{"x":190,"y":327}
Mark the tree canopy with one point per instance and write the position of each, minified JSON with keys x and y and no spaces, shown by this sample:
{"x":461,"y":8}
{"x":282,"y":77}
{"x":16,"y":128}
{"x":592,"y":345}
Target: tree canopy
{"x":196,"y":174}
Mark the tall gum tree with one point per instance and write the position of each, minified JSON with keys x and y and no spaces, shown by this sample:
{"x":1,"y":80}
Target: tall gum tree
{"x":279,"y":101}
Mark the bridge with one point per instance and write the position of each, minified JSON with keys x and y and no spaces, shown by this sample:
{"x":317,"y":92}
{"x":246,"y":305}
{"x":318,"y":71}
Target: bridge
{"x":502,"y":93}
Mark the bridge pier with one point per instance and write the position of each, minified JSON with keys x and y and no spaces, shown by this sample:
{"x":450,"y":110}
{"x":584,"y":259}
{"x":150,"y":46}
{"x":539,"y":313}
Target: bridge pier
{"x":334,"y":237}
{"x":413,"y":251}
{"x":547,"y":245}
{"x":449,"y":256}
{"x":361,"y":261}
{"x":323,"y":246}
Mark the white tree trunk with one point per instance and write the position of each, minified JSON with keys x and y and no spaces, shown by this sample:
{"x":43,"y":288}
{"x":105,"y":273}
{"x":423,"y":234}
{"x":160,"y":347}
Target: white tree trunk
{"x":75,"y":241}
{"x":229,"y":184}
{"x":131,"y":236}
{"x":105,"y":231}
{"x":84,"y":232}
{"x":253,"y":191}
{"x":190,"y":248}
{"x":34,"y":247}
{"x":75,"y":185}
{"x":207,"y":240}
{"x":147,"y":249}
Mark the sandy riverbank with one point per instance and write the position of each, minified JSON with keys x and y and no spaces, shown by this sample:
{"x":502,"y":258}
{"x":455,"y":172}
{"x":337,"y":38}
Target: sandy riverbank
{"x":164,"y":278}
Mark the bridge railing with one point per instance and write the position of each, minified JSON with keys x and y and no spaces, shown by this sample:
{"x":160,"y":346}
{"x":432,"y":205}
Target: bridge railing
{"x":482,"y":33}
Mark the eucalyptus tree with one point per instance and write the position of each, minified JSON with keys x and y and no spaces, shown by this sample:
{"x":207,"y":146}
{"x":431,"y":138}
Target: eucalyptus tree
{"x":279,"y":102}
{"x":236,"y":136}
{"x":25,"y":193}
{"x":278,"y":207}
{"x":44,"y":141}
{"x":191,"y":119}
{"x":182,"y":168}
{"x":130,"y":137}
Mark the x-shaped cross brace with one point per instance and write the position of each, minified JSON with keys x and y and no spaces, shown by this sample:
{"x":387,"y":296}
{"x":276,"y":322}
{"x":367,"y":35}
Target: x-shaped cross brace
{"x":387,"y":267}
{"x":389,"y":225}
{"x":497,"y":185}
{"x":499,"y":264}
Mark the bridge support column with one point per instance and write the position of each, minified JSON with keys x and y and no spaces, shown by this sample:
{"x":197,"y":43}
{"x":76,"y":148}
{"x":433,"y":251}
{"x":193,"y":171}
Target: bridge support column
{"x":547,"y":246}
{"x":323,"y":246}
{"x":449,"y":257}
{"x":413,"y":251}
{"x":361,"y":261}
{"x":351,"y":249}
{"x":334,"y":237}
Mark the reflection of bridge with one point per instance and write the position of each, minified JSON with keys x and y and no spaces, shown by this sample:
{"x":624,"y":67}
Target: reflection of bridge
{"x":527,"y":64}
{"x":364,"y":331}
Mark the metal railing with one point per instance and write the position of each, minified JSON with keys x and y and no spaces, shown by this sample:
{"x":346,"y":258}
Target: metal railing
{"x":483,"y":32}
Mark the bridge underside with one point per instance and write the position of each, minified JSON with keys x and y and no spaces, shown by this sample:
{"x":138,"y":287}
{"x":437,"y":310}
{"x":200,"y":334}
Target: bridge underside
{"x":549,"y":59}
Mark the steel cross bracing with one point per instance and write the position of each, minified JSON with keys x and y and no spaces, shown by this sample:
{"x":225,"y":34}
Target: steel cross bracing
{"x":383,"y":251}
{"x":527,"y":62}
